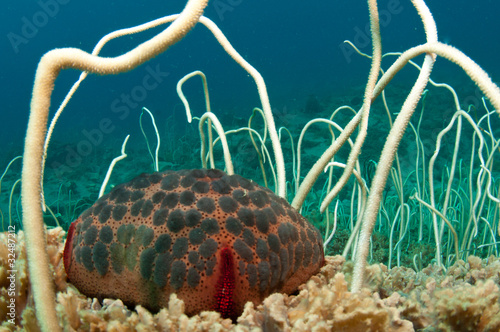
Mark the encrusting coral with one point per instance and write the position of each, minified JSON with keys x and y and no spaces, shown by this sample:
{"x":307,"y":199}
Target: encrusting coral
{"x":466,"y":298}
{"x":24,"y":309}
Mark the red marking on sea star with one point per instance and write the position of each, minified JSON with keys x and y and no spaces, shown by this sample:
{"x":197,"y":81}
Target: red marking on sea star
{"x":225,"y":284}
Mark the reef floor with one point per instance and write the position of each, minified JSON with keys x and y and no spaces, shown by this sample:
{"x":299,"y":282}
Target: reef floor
{"x":465,"y":298}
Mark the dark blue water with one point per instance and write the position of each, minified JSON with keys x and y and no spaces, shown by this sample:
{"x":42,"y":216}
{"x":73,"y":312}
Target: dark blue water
{"x":296,"y":45}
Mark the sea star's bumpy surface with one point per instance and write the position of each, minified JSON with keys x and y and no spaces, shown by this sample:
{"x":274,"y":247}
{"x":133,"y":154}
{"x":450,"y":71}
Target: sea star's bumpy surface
{"x":215,"y":240}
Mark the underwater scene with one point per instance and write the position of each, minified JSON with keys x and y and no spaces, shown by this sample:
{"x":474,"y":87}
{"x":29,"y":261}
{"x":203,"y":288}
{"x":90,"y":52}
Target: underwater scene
{"x":234,"y":165}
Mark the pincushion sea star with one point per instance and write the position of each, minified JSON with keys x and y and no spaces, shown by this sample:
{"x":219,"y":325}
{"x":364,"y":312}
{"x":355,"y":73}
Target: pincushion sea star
{"x":216,"y":240}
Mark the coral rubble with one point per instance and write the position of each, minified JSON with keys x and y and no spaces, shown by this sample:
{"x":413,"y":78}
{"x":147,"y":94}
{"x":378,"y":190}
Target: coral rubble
{"x":465,"y":298}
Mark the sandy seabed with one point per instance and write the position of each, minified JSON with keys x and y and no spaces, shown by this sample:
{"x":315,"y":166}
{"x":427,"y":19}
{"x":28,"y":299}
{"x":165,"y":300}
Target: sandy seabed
{"x":465,"y":298}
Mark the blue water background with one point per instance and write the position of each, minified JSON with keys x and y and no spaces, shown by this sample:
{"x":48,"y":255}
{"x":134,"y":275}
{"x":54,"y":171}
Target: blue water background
{"x":296,"y":46}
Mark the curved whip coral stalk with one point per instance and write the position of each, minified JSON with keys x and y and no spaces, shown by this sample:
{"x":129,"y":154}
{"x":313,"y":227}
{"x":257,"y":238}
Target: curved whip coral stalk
{"x":48,"y":69}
